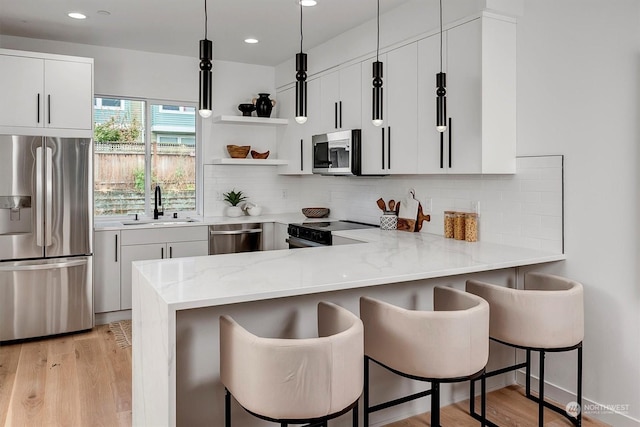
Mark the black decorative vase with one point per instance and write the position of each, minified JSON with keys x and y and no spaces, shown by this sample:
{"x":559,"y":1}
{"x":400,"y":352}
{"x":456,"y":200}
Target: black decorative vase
{"x":264,"y":105}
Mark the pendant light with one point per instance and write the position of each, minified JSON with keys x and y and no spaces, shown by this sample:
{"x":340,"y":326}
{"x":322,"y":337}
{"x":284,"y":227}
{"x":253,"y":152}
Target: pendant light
{"x":441,"y":90}
{"x":376,"y":116}
{"x":301,"y":80}
{"x":205,"y":108}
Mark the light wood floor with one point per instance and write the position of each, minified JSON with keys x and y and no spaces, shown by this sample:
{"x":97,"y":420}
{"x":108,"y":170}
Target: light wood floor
{"x":85,"y":380}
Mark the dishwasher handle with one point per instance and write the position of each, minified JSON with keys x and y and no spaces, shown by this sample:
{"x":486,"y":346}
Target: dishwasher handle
{"x":232,"y":232}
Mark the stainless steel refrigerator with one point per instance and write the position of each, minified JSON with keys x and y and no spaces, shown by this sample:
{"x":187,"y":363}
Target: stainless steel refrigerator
{"x":46,"y":236}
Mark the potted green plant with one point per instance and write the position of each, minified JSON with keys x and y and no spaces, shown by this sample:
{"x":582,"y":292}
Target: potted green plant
{"x":234,"y":198}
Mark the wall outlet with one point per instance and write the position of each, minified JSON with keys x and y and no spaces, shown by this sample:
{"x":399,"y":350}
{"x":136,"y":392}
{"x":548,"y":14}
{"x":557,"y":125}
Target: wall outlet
{"x":427,"y":206}
{"x":284,"y":194}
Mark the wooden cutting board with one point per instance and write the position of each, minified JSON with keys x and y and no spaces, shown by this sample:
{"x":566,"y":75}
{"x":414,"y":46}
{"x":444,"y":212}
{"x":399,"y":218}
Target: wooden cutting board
{"x":408,"y":213}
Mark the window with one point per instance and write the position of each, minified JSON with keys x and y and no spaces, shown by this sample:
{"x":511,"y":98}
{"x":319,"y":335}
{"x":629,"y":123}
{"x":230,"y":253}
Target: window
{"x":108,"y":103}
{"x":137,"y":148}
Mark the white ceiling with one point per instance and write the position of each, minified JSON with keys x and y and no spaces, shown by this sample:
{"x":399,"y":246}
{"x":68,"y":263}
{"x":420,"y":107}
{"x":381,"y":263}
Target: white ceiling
{"x":175,"y":26}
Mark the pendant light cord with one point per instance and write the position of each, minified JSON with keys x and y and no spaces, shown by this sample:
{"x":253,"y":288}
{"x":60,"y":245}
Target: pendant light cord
{"x":440,"y":35}
{"x":301,"y":35}
{"x":206,"y":20}
{"x":378,"y":41}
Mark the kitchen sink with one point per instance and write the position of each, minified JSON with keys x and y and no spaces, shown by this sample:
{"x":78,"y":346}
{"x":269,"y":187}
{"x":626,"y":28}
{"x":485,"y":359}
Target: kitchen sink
{"x":171,"y":221}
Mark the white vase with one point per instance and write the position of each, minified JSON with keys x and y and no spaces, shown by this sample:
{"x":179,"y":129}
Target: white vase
{"x":234,"y":211}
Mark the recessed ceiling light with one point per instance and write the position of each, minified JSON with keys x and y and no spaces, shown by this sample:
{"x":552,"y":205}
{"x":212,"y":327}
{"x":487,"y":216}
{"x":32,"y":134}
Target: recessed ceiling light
{"x":308,"y":2}
{"x":104,"y":12}
{"x":251,"y":41}
{"x":76,"y":15}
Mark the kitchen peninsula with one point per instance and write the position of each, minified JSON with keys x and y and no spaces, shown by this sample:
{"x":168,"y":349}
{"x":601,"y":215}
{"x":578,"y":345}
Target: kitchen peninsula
{"x":177,"y":303}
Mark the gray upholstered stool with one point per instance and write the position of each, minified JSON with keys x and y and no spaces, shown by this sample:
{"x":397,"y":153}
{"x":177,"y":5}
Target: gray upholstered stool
{"x":546,"y":316}
{"x":295,"y":381}
{"x":449,"y":344}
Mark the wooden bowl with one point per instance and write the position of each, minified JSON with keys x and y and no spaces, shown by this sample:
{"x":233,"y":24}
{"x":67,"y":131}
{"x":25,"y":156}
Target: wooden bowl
{"x":315,"y":212}
{"x":257,"y":155}
{"x":238,"y":151}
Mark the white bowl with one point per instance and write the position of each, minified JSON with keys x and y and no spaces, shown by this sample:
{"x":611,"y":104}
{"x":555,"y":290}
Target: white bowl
{"x":254,"y":210}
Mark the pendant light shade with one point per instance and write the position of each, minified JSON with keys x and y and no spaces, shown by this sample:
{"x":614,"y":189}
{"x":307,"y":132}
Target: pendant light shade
{"x":377,"y":92}
{"x":301,"y":80}
{"x":205,"y":103}
{"x":301,"y":87}
{"x":376,"y":117}
{"x":441,"y":90}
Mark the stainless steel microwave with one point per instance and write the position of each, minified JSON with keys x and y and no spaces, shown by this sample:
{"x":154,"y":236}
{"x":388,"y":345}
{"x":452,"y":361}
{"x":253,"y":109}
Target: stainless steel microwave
{"x":337,"y":153}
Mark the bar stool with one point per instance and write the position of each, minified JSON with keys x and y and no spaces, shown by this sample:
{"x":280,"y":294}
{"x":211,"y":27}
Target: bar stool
{"x":295,"y":381}
{"x":547,"y":316}
{"x":449,"y":344}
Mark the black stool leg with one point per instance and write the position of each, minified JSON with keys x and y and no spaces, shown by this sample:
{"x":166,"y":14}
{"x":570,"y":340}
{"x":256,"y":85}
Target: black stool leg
{"x":355,"y":415}
{"x":483,"y":400}
{"x":541,"y":392}
{"x":472,"y":397}
{"x":283,"y":424}
{"x":365,"y":412}
{"x":227,"y":408}
{"x":580,"y":385}
{"x":435,"y":404}
{"x":528,"y":375}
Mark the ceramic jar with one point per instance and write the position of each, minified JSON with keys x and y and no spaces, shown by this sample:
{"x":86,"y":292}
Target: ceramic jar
{"x":389,"y":221}
{"x":264,"y":105}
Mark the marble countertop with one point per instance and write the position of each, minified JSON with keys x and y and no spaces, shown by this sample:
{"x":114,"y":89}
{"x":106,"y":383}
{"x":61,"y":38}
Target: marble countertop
{"x":383,"y":257}
{"x":119,"y":224}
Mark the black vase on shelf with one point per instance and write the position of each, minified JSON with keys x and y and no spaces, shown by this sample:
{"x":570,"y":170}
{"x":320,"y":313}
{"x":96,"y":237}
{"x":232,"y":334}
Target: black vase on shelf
{"x":264,"y":105}
{"x":246,"y":109}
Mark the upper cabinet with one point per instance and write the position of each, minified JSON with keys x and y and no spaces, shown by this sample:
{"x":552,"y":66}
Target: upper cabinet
{"x":392,"y":147}
{"x":481,"y":99}
{"x":294,"y":140}
{"x":340,"y":99}
{"x":47,"y":92}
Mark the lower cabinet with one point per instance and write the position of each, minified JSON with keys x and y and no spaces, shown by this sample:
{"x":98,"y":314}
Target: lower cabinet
{"x":113,"y":275}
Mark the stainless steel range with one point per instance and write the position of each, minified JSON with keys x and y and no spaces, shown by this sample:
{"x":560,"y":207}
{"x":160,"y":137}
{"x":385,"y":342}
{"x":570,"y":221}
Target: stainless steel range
{"x":312,"y":234}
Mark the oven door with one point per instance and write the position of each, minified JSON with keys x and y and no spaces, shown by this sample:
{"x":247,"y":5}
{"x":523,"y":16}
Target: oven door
{"x":297,"y":243}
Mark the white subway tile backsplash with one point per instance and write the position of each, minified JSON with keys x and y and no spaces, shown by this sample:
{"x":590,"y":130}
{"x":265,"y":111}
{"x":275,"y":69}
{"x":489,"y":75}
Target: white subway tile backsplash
{"x":524,"y":209}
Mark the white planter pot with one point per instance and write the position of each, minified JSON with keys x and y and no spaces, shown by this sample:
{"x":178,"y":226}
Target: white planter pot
{"x":234,"y":211}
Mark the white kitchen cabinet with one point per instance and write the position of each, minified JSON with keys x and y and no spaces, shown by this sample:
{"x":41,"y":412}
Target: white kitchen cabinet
{"x":46,"y":91}
{"x":294,"y":140}
{"x":481,"y":99}
{"x":340,"y":99}
{"x":280,"y":236}
{"x":106,"y":268}
{"x":392,"y":147}
{"x":165,"y":242}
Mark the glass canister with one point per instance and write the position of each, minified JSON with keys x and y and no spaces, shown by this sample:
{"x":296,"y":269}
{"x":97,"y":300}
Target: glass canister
{"x":448,"y":224}
{"x":389,"y":221}
{"x":471,"y":227}
{"x":458,"y":225}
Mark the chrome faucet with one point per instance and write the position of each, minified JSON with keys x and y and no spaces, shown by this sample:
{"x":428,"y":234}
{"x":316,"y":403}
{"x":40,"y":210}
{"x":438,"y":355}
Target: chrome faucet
{"x":157,"y":202}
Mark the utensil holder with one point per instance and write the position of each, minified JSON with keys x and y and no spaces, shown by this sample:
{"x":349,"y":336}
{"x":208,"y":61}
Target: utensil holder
{"x":389,"y":221}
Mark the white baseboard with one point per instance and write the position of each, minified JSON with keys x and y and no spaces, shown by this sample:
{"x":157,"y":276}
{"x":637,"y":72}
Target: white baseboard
{"x":612,"y":414}
{"x":112,"y":316}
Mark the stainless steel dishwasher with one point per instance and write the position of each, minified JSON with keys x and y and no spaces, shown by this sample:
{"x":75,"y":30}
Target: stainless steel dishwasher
{"x":234,"y":238}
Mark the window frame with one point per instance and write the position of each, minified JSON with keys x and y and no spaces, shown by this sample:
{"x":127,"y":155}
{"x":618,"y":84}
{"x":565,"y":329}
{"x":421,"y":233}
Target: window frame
{"x":148,"y":193}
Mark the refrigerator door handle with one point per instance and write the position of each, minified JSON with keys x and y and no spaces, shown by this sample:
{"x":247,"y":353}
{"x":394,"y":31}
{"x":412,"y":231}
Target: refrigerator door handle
{"x":49,"y":197}
{"x":49,"y":266}
{"x":39,"y":200}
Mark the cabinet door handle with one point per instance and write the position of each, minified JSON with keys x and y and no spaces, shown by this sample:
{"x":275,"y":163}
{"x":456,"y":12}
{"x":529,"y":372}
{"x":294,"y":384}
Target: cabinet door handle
{"x":170,"y":251}
{"x":335,"y":115}
{"x":389,"y":147}
{"x":441,"y":150}
{"x":340,"y":114}
{"x":301,"y":155}
{"x":450,"y":138}
{"x":161,"y":253}
{"x":116,"y":248}
{"x":49,"y":109}
{"x":38,"y":108}
{"x":382,"y":148}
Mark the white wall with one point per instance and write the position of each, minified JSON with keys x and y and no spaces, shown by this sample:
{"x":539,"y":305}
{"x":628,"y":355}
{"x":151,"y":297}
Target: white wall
{"x":578,"y":95}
